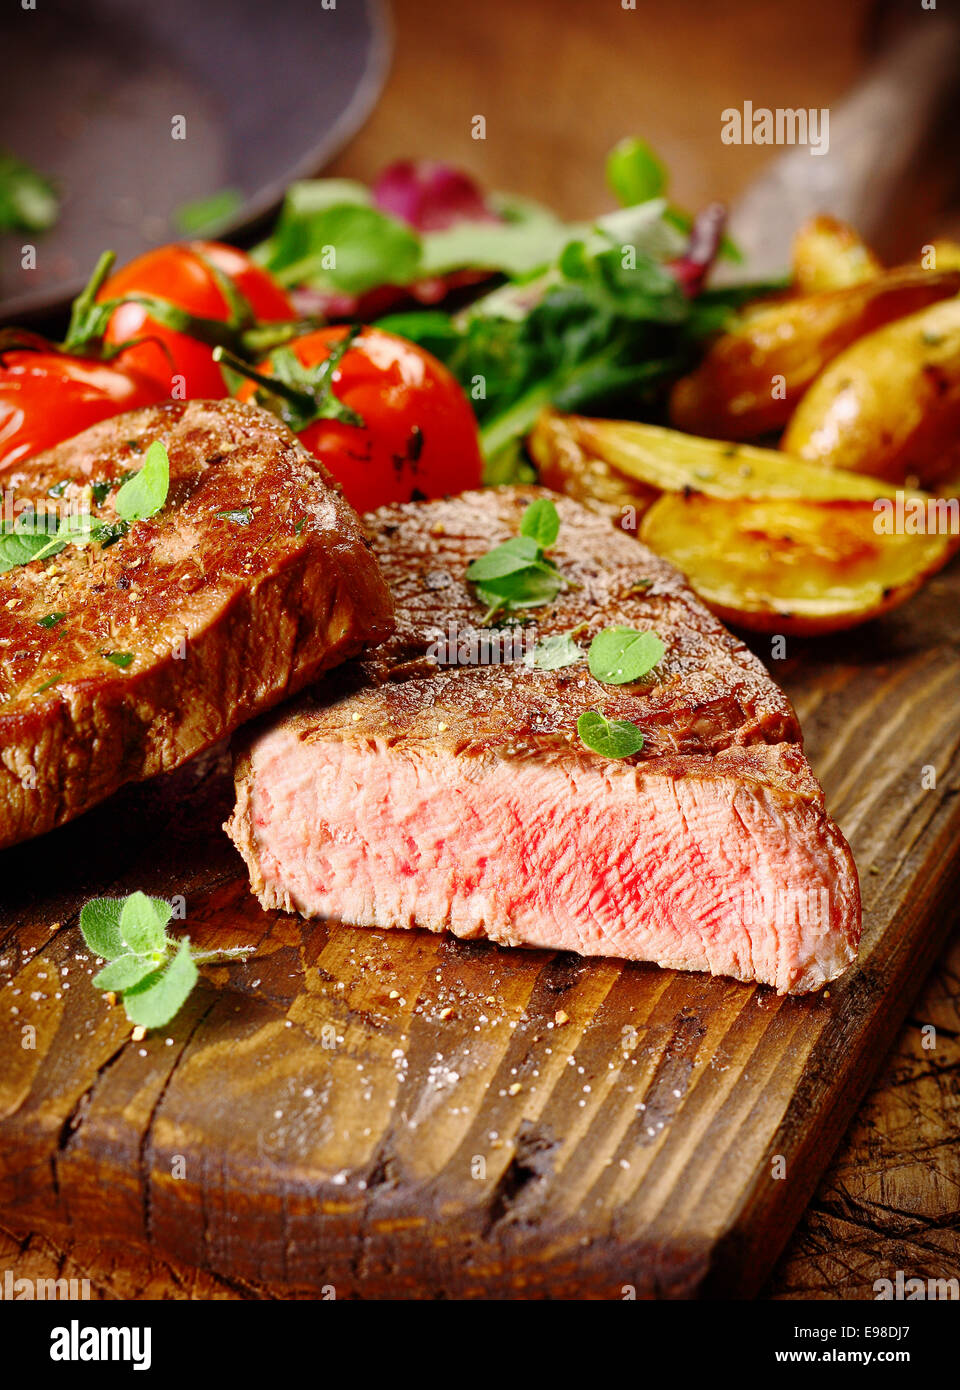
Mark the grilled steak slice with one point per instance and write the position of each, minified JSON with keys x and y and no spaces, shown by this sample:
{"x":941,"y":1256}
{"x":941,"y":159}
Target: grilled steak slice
{"x":410,"y":792}
{"x":121,"y":660}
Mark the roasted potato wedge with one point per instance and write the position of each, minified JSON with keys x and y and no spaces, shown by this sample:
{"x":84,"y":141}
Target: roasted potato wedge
{"x":890,"y":404}
{"x":566,"y":465}
{"x":789,"y":566}
{"x":604,"y":458}
{"x":752,"y":378}
{"x":829,"y":255}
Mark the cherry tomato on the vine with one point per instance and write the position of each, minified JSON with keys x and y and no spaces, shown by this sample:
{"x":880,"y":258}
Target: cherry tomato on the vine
{"x":419,"y":434}
{"x":47,"y":397}
{"x":182,"y":275}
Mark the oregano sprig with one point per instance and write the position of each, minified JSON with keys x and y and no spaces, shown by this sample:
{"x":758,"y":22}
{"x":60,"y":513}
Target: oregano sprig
{"x":38,"y":536}
{"x":152,"y":971}
{"x":517,"y":573}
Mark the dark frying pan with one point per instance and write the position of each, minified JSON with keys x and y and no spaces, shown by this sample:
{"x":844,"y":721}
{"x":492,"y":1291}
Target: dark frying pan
{"x":269,"y":93}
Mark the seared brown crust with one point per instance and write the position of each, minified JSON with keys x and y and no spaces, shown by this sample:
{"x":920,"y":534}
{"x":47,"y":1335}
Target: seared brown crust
{"x":721,"y":745}
{"x":714,"y":723}
{"x":711,"y":693}
{"x":222,"y":618}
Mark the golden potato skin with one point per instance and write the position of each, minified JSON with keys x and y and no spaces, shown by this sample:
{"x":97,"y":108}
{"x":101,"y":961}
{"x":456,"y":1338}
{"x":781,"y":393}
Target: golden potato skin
{"x":565,"y":464}
{"x":890,"y":404}
{"x":623,"y":460}
{"x":829,"y":255}
{"x":731,"y":394}
{"x":789,"y":566}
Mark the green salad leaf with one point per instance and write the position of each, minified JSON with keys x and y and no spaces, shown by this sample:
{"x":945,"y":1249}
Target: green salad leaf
{"x":28,"y":201}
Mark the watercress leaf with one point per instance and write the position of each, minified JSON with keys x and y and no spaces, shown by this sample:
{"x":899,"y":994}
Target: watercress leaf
{"x":530,"y":240}
{"x":143,"y":923}
{"x":291,"y":237}
{"x":125,"y":971}
{"x":634,"y":173}
{"x":619,"y":655}
{"x":611,"y":738}
{"x":145,"y":493}
{"x":541,"y":522}
{"x":348,"y":247}
{"x":431,"y":328}
{"x":100,"y":925}
{"x":156,"y":999}
{"x":553,"y":653}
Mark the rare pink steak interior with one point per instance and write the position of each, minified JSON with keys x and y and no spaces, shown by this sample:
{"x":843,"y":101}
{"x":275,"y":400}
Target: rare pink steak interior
{"x":440,"y":782}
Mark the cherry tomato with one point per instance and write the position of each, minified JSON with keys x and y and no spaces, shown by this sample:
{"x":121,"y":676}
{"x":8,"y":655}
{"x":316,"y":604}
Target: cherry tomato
{"x":46,"y":397}
{"x":419,"y":436}
{"x":181,"y":274}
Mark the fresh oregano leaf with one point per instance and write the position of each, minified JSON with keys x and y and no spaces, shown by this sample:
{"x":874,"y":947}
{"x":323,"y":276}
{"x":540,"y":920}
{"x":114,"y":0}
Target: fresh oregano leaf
{"x":528,"y":588}
{"x":19,"y":548}
{"x":516,"y":573}
{"x":100,"y":925}
{"x":553,"y":653}
{"x":126,"y":971}
{"x":619,"y":655}
{"x":513,"y":556}
{"x":145,"y":493}
{"x":79,"y":529}
{"x":611,"y":738}
{"x":143,"y":923}
{"x":156,"y":999}
{"x":541,"y":522}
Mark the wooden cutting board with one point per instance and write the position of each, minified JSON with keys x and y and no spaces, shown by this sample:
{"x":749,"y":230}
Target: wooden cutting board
{"x":400,"y":1115}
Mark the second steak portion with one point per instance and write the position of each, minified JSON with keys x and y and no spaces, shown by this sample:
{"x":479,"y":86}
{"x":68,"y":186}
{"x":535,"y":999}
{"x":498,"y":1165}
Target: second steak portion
{"x":124,"y":656}
{"x":441,"y":782}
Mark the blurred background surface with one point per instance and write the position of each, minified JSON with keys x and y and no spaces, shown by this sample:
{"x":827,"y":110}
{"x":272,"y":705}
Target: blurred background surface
{"x":300,"y":88}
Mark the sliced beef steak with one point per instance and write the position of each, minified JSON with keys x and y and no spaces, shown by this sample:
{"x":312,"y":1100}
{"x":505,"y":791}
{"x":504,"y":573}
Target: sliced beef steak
{"x":122,"y":659}
{"x":412,"y":791}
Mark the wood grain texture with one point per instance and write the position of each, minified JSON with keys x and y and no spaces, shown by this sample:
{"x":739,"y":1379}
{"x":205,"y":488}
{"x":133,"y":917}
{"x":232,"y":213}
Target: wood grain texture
{"x":891,"y":1198}
{"x":403,"y":1115}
